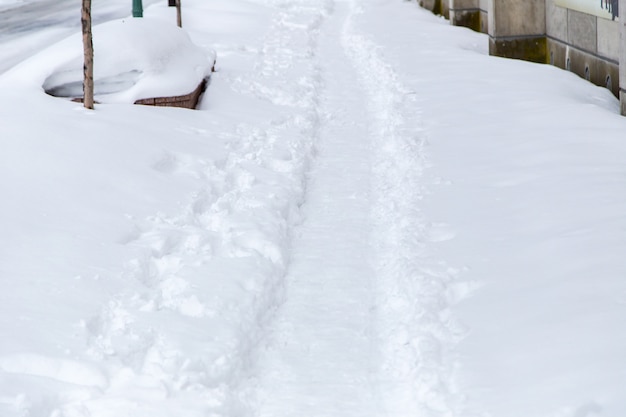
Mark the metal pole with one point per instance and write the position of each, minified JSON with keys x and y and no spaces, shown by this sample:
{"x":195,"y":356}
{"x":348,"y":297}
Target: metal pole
{"x":137,"y":8}
{"x":179,"y":13}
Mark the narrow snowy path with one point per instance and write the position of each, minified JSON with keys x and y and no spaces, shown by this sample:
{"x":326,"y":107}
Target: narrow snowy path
{"x":284,"y":269}
{"x":335,"y":342}
{"x":323,"y":352}
{"x":365,"y":329}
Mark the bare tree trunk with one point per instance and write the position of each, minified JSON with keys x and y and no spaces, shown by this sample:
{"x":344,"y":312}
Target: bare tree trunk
{"x":179,"y":17}
{"x":88,"y":50}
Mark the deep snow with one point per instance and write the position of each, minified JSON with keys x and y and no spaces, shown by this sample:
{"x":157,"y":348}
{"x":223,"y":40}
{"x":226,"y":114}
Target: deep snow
{"x":29,"y":26}
{"x":136,"y":59}
{"x":369,"y":216}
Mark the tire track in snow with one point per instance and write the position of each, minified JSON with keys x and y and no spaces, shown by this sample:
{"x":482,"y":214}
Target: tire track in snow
{"x":415,"y":291}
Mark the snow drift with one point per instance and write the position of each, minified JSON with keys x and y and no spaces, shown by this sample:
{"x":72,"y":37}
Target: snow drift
{"x":133,"y":59}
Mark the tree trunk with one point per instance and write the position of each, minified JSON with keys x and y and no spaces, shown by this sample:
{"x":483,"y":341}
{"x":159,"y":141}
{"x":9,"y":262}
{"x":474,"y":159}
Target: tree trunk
{"x":179,"y":17}
{"x":88,"y":51}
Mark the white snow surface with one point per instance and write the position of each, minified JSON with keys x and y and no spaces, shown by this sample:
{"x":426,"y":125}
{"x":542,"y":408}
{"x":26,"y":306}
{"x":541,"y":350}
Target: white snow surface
{"x":368,"y":216}
{"x":133,"y":59}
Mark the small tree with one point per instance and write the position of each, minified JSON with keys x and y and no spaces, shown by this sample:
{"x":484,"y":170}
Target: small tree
{"x":88,"y":53}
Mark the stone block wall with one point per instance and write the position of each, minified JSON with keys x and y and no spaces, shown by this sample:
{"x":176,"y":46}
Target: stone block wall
{"x":439,"y":7}
{"x":432,"y":5}
{"x":622,"y":59}
{"x":469,"y":13}
{"x":585,"y":44}
{"x":517,"y":29}
{"x":543,"y":31}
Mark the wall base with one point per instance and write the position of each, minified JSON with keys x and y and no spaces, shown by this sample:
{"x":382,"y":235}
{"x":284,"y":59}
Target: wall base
{"x":533,"y":49}
{"x":466,"y":18}
{"x":599,"y":71}
{"x":432,"y":5}
{"x":474,"y":19}
{"x":445,"y":9}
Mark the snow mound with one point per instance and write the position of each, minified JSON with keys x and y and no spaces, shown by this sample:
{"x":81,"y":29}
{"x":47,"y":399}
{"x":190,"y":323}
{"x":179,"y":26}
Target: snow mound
{"x":133,"y":59}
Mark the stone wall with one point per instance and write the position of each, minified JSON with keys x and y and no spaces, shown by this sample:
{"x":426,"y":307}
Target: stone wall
{"x":517,"y":29}
{"x":439,"y":7}
{"x":542,"y":31}
{"x":432,"y":5}
{"x":469,"y":13}
{"x":584,"y":44}
{"x":622,"y":59}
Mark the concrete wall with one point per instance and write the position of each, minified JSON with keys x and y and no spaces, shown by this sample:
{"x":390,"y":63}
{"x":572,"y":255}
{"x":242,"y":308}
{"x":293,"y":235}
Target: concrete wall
{"x":445,"y":8}
{"x":622,"y":58}
{"x":584,"y":44}
{"x":469,"y":13}
{"x":432,"y":5}
{"x":542,"y":32}
{"x":517,"y":29}
{"x":440,"y":7}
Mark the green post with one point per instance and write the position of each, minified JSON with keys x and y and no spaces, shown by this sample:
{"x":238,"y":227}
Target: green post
{"x":137,"y":8}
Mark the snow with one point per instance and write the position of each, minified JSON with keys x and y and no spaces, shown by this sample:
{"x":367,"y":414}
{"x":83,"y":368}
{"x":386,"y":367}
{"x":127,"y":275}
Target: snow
{"x":135,"y":59}
{"x":368,"y":216}
{"x":30,"y":26}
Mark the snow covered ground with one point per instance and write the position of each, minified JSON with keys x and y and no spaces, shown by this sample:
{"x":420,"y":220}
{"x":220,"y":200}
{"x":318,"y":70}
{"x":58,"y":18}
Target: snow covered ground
{"x":136,"y":59}
{"x":28,"y":26}
{"x":369,"y":216}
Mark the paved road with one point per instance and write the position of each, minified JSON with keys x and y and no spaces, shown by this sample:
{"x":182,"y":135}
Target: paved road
{"x":30,"y":27}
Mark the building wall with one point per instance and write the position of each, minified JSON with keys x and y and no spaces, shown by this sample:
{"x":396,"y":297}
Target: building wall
{"x":439,"y":7}
{"x":445,"y":8}
{"x":432,"y":5}
{"x":584,"y":44}
{"x":469,"y":13}
{"x":544,"y":32}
